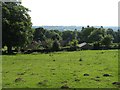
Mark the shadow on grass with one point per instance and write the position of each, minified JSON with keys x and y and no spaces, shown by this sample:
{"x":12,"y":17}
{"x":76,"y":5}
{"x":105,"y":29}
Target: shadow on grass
{"x":4,"y":53}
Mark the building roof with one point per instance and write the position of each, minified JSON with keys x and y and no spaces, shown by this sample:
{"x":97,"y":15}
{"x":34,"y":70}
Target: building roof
{"x":82,"y":44}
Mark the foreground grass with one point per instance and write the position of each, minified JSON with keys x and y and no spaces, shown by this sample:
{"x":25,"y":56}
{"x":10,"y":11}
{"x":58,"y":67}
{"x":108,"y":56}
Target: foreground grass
{"x":80,"y":69}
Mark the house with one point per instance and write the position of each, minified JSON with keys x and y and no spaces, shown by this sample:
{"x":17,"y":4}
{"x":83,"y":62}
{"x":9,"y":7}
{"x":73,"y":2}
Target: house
{"x":85,"y":46}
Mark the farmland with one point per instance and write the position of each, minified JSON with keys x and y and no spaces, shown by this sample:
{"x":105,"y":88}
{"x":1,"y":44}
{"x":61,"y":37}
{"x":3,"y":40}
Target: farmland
{"x":78,"y":69}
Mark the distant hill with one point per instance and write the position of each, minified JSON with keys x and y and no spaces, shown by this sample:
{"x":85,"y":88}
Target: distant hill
{"x":63,"y":28}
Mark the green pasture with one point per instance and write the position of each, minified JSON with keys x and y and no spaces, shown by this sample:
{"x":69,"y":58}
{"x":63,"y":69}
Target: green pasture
{"x":79,"y":69}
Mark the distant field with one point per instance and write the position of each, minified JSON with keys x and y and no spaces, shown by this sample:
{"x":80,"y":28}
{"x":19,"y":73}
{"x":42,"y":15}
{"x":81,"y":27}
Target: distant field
{"x":79,"y":69}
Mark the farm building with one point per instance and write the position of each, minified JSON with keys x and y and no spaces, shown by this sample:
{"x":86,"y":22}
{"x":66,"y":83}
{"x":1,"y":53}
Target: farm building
{"x":85,"y":46}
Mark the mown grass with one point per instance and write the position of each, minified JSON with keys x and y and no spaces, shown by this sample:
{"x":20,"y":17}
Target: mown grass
{"x":79,"y":69}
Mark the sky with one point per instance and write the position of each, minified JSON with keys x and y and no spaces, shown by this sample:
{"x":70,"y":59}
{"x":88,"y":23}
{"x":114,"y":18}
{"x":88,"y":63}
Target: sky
{"x":73,"y":12}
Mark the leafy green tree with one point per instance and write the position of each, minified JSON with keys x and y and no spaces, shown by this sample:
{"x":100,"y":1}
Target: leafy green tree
{"x":107,"y":40}
{"x":96,"y":35}
{"x":118,"y":45}
{"x":67,"y":35}
{"x":57,"y":31}
{"x":110,"y":31}
{"x":85,"y":32}
{"x":114,"y":34}
{"x":34,"y":45}
{"x":118,"y":35}
{"x":56,"y":45}
{"x":56,"y":36}
{"x":49,"y":43}
{"x":16,"y":25}
{"x":73,"y":43}
{"x":96,"y":45}
{"x":39,"y":34}
{"x":48,"y":34}
{"x":79,"y":37}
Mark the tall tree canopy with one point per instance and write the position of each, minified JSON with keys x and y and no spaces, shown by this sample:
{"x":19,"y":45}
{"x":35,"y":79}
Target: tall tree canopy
{"x":96,"y":35}
{"x":39,"y":34}
{"x":85,"y":32}
{"x":107,"y":40}
{"x":16,"y":24}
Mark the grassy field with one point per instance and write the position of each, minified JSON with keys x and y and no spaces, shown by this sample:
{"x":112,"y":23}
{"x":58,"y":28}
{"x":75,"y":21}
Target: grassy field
{"x":79,"y":69}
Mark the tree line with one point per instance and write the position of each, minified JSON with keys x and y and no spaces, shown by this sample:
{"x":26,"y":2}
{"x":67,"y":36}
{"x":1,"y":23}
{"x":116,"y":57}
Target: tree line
{"x":101,"y":36}
{"x":17,"y":33}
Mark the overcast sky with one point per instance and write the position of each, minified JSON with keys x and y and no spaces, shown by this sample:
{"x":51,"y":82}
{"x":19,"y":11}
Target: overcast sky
{"x":73,"y":12}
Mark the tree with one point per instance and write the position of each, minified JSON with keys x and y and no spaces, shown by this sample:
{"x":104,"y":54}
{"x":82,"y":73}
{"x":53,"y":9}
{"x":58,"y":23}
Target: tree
{"x":56,"y":45}
{"x":16,"y":25}
{"x":85,"y":32}
{"x":49,"y":43}
{"x":107,"y":40}
{"x":118,"y":36}
{"x":110,"y":31}
{"x":56,"y":36}
{"x":73,"y":43}
{"x":39,"y":34}
{"x":96,"y":35}
{"x":48,"y":34}
{"x":96,"y":45}
{"x":67,"y":35}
